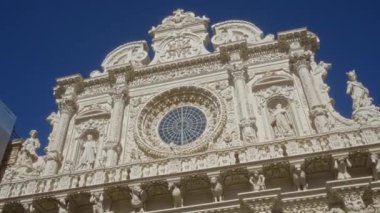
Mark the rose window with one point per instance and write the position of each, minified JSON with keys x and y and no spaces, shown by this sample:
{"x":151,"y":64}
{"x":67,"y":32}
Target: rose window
{"x":180,"y":121}
{"x":182,"y":125}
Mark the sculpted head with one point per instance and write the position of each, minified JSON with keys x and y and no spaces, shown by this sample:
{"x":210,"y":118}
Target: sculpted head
{"x":90,"y":137}
{"x":352,"y":75}
{"x":279,"y":106}
{"x":33,"y":133}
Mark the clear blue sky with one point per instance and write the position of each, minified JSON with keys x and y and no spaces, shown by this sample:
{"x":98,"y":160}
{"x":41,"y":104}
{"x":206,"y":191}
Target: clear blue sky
{"x":43,"y":40}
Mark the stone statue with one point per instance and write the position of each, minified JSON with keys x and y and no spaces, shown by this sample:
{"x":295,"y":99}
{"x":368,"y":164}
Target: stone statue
{"x":63,"y":205}
{"x":341,"y":165}
{"x":359,"y":93}
{"x":87,"y":159}
{"x":28,"y":153}
{"x":28,"y":162}
{"x":216,"y":189}
{"x":138,"y":199}
{"x":176,"y":194}
{"x":97,"y":202}
{"x":281,"y":122}
{"x":257,"y":181}
{"x":375,"y":165}
{"x":299,"y":177}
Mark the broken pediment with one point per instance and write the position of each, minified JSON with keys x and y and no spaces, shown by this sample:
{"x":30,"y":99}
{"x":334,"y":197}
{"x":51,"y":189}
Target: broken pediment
{"x":236,"y":30}
{"x":135,"y":53}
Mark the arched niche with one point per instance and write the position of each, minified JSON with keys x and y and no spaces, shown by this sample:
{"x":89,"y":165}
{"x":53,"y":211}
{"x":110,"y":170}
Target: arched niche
{"x":276,"y":88}
{"x":281,"y":117}
{"x":87,"y":149}
{"x":98,"y":128}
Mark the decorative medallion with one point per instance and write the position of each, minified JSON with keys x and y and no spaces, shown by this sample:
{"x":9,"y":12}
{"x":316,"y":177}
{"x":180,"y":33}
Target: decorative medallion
{"x":183,"y":120}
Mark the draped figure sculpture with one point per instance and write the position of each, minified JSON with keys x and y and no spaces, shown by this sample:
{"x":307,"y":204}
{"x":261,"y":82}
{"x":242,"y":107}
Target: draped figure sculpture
{"x":87,"y":159}
{"x":358,"y":92}
{"x":281,"y":122}
{"x":28,"y":153}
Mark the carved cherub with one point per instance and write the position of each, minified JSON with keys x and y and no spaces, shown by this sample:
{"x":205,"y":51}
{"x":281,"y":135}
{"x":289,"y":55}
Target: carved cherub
{"x":257,"y":181}
{"x":216,"y":189}
{"x":341,"y":165}
{"x":176,"y":194}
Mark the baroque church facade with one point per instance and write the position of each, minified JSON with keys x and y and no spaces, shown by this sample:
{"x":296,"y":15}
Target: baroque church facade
{"x":246,"y":125}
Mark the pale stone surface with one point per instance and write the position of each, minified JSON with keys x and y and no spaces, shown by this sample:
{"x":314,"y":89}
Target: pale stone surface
{"x":268,"y":138}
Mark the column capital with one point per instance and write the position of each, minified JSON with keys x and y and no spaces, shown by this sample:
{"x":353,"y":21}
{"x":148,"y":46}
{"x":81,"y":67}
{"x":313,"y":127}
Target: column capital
{"x":119,"y":94}
{"x":112,"y":145}
{"x":299,"y":59}
{"x":67,"y":105}
{"x":237,"y":71}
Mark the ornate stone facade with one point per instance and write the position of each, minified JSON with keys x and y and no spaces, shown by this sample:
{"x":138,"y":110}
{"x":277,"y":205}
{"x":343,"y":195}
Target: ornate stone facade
{"x":246,"y":127}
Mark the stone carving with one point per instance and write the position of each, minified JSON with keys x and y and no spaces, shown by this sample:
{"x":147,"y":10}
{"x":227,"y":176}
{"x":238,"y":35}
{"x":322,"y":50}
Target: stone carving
{"x":299,"y":177}
{"x":63,"y":205}
{"x":257,"y":181}
{"x":359,"y":93}
{"x":374,"y":157}
{"x":147,"y":135}
{"x":88,"y":156}
{"x":281,"y":122}
{"x":183,"y":41}
{"x":176,"y":194}
{"x":97,"y":200}
{"x":364,"y":110}
{"x":216,"y":189}
{"x":135,"y":53}
{"x":138,"y":199}
{"x":236,"y":30}
{"x":341,"y":165}
{"x":28,"y":163}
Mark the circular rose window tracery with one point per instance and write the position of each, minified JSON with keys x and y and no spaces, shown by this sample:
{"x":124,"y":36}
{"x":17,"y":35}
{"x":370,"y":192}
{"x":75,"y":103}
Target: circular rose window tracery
{"x":182,"y":125}
{"x":184,"y":119}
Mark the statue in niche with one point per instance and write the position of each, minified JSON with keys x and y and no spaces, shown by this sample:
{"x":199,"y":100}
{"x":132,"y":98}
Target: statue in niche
{"x":342,"y":164}
{"x":358,"y":92}
{"x":87,"y":159}
{"x":257,"y":181}
{"x":281,"y":122}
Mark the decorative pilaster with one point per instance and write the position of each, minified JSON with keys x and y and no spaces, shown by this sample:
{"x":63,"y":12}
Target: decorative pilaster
{"x":300,"y":62}
{"x":67,"y":108}
{"x":112,"y":146}
{"x":238,"y":74}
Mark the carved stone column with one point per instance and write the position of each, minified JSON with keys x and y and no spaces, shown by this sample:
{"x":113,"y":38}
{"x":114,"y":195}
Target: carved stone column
{"x":238,"y":74}
{"x":112,"y":146}
{"x":67,"y":108}
{"x":300,"y":62}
